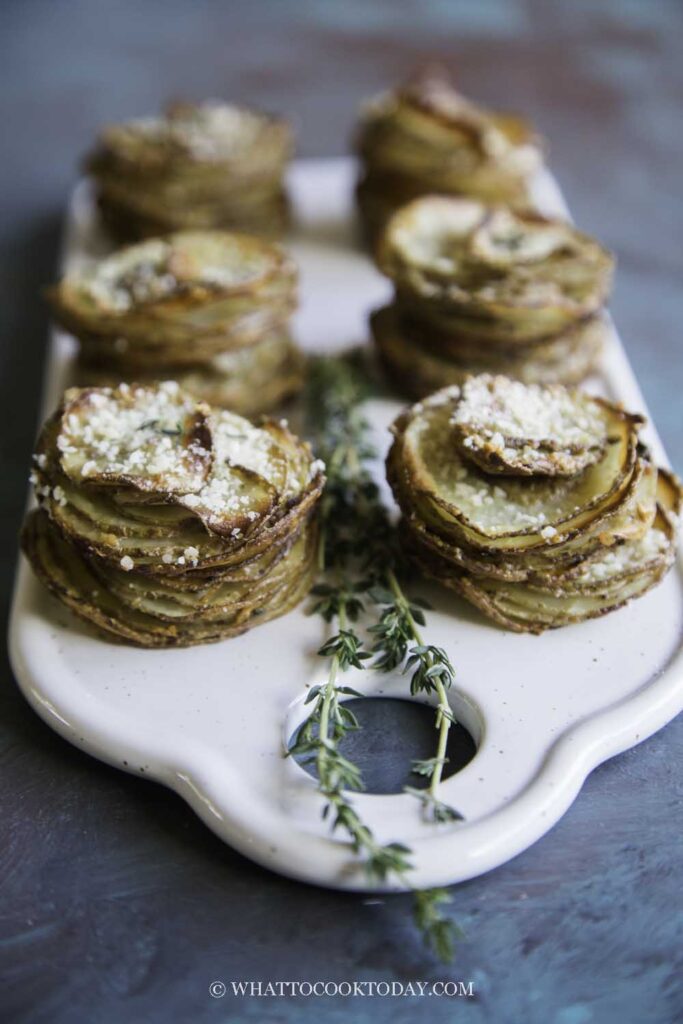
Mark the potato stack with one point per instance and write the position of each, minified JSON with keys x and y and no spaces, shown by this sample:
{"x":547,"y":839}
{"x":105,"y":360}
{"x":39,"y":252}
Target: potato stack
{"x":207,"y":165}
{"x":536,"y":503}
{"x":207,"y":308}
{"x":166,"y":523}
{"x":425,"y":138}
{"x":482,"y":289}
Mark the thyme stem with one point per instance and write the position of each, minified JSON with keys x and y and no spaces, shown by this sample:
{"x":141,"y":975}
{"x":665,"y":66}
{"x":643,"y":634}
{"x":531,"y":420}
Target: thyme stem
{"x":358,"y":550}
{"x":444,"y":717}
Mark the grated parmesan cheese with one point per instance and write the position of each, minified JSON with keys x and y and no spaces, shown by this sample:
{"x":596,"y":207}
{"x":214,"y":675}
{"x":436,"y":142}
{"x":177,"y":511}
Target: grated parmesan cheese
{"x":211,"y":131}
{"x":198,"y":263}
{"x":498,"y":408}
{"x":528,"y":429}
{"x":625,"y":558}
{"x":141,"y":434}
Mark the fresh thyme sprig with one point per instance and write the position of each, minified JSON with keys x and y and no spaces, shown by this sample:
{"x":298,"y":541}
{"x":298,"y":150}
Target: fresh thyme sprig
{"x":439,"y":930}
{"x":349,"y":511}
{"x":317,"y":742}
{"x":358,"y":551}
{"x":398,"y":641}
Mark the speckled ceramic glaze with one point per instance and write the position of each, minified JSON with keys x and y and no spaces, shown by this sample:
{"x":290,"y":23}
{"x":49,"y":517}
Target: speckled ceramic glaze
{"x":211,"y":722}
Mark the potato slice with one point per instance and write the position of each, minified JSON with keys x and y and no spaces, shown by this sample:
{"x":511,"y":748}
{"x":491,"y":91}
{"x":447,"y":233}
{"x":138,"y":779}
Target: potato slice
{"x":630,"y":520}
{"x":205,"y":165}
{"x":191,"y":136}
{"x":602,"y":586}
{"x":507,"y":427}
{"x":184,"y":272}
{"x":533,"y":551}
{"x":262,"y":485}
{"x":507,"y":239}
{"x":143,"y":621}
{"x":499,"y":513}
{"x":248,"y":478}
{"x":249,"y":381}
{"x":418,"y":363}
{"x":452,"y":268}
{"x":154,"y":439}
{"x":157,"y":566}
{"x":425,"y":138}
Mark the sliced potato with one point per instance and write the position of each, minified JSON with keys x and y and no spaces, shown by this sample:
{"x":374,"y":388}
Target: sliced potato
{"x":157,"y":563}
{"x":483,"y":282}
{"x":426,"y":138}
{"x":248,"y":479}
{"x":498,"y":513}
{"x":466,"y":350}
{"x":596,"y":586}
{"x":73,"y":580}
{"x":451,"y":266}
{"x":188,"y":284}
{"x":506,"y":239}
{"x":517,"y":429}
{"x":153,"y":439}
{"x":522,"y":608}
{"x":205,"y":165}
{"x":630,"y":520}
{"x":420,"y":362}
{"x":601,"y":587}
{"x":209,"y":309}
{"x":249,"y":381}
{"x":262,"y":482}
{"x":207,"y":133}
{"x":533,"y":551}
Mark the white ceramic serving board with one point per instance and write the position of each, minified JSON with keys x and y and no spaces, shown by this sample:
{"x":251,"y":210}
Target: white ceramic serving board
{"x":211,"y":722}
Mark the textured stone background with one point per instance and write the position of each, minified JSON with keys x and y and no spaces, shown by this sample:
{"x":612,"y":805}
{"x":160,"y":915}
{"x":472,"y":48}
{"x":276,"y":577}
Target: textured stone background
{"x":117,"y":904}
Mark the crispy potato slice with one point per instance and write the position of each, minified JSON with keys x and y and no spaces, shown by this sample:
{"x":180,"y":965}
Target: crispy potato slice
{"x":595,"y":586}
{"x":193,"y":136}
{"x":155,"y":440}
{"x":207,"y":309}
{"x":202,"y":165}
{"x":503,"y":513}
{"x":604,"y":584}
{"x":248,"y":477}
{"x":202,"y":275}
{"x":169,"y":568}
{"x":455,"y":269}
{"x":262,"y":485}
{"x":507,"y":427}
{"x":533,"y":552}
{"x":419,"y":361}
{"x":629,"y":521}
{"x":425,"y":138}
{"x":70,"y":577}
{"x":506,"y":239}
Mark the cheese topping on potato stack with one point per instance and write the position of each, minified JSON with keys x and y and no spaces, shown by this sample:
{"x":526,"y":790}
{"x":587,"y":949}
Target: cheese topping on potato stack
{"x":165,"y":522}
{"x":425,"y":138}
{"x":539,"y":505}
{"x":210,"y":309}
{"x":482,"y":289}
{"x":206,"y":165}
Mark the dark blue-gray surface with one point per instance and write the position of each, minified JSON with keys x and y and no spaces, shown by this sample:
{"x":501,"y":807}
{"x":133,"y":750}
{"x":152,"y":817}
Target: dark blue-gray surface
{"x":117,"y":905}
